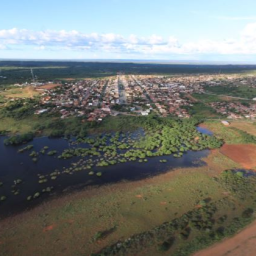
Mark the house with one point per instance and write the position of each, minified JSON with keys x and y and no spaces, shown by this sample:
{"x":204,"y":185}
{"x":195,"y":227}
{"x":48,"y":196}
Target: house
{"x":144,"y":113}
{"x":226,"y":123}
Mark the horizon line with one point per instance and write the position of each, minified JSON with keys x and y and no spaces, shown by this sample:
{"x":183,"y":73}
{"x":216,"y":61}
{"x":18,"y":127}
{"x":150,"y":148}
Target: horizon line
{"x":153,"y":61}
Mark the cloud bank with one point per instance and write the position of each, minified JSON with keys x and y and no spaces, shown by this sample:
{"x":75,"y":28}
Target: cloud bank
{"x":244,"y":44}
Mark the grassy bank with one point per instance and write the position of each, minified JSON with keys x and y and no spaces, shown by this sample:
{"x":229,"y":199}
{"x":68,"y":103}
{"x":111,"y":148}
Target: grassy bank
{"x":233,"y":134}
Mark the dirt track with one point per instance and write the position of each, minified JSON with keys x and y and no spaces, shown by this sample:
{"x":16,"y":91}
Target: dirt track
{"x":242,"y":244}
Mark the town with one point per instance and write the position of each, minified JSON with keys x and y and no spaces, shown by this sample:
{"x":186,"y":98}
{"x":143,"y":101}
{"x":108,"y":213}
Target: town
{"x":134,"y":95}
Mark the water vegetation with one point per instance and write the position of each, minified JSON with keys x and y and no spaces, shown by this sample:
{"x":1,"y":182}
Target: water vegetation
{"x":19,"y":139}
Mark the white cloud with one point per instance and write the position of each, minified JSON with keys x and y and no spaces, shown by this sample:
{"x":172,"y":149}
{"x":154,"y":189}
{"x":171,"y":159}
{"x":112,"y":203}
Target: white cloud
{"x":153,"y":45}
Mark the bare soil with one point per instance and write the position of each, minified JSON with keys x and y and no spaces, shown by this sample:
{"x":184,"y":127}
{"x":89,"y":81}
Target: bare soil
{"x":49,"y":86}
{"x":243,"y":154}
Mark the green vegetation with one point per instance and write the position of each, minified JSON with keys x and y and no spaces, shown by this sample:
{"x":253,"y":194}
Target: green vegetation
{"x":200,"y":110}
{"x":52,"y":153}
{"x":207,"y":98}
{"x":244,"y":136}
{"x":28,"y":147}
{"x":19,"y":139}
{"x":19,"y":109}
{"x":17,"y":72}
{"x":230,"y":134}
{"x":36,"y":195}
{"x":2,"y":198}
{"x":200,"y":227}
{"x":231,"y":90}
{"x":162,"y":137}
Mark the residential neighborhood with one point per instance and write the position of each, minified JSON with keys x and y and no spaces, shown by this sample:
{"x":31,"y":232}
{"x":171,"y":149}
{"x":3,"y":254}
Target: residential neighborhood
{"x":123,"y":94}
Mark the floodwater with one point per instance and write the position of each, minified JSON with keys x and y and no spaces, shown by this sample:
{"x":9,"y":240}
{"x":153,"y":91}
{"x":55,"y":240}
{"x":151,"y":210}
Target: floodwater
{"x":14,"y":165}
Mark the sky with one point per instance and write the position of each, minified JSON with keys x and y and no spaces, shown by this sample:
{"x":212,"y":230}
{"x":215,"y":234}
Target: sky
{"x":196,"y":30}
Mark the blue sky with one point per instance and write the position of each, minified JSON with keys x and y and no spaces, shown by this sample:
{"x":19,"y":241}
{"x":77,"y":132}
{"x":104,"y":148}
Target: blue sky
{"x":220,"y":30}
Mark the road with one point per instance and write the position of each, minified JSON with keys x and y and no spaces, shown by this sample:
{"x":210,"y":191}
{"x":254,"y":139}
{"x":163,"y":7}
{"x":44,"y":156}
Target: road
{"x":242,"y":244}
{"x":121,"y":90}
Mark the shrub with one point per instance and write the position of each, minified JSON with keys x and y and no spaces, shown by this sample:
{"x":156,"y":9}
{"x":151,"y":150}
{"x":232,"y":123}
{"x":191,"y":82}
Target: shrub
{"x":19,"y":139}
{"x":166,"y":245}
{"x":247,"y":213}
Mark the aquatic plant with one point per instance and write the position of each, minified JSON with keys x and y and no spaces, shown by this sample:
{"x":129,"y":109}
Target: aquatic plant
{"x":42,"y":181}
{"x":2,"y":198}
{"x":18,"y":181}
{"x":51,"y":153}
{"x":49,"y":189}
{"x":36,"y":195}
{"x":25,"y":148}
{"x":33,"y":154}
{"x":19,"y":139}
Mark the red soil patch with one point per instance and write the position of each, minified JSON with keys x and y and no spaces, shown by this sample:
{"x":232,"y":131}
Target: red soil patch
{"x":163,"y":203}
{"x":48,"y":86}
{"x":48,"y":228}
{"x":139,"y":196}
{"x":241,"y":154}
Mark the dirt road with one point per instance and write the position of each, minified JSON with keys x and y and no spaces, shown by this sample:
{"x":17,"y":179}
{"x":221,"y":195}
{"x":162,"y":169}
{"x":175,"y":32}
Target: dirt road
{"x":242,"y":244}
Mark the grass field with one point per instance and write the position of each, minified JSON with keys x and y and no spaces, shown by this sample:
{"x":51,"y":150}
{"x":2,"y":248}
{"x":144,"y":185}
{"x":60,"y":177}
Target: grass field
{"x":245,"y":126}
{"x":27,"y":92}
{"x":230,"y":134}
{"x":21,"y":126}
{"x":11,"y":125}
{"x":240,"y":91}
{"x":208,"y":98}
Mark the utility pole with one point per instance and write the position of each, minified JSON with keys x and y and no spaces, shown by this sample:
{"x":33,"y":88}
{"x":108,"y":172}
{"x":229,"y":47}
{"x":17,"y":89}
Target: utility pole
{"x":33,"y":77}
